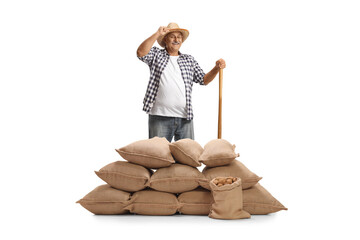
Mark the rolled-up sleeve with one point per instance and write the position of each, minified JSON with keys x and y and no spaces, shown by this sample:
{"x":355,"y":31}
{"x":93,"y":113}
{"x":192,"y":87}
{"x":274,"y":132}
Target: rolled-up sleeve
{"x":198,"y":74}
{"x":149,"y":58}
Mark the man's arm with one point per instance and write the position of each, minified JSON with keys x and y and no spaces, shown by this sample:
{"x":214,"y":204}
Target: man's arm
{"x":146,"y":45}
{"x":212,"y":74}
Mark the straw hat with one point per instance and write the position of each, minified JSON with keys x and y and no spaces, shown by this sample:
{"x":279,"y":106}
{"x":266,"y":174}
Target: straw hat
{"x":173,"y":27}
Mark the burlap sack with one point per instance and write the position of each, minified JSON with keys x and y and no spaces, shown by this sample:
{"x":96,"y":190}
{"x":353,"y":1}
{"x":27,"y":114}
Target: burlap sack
{"x":218,"y":152}
{"x":125,"y":176}
{"x":234,"y":169}
{"x":151,"y":153}
{"x":186,"y":151}
{"x":150,"y":202}
{"x":257,"y":200}
{"x":228,"y":201}
{"x":106,"y":200}
{"x":195,"y":202}
{"x":177,"y":178}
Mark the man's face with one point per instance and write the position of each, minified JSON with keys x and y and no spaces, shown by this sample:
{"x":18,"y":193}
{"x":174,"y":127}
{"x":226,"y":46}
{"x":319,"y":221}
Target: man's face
{"x":173,"y":41}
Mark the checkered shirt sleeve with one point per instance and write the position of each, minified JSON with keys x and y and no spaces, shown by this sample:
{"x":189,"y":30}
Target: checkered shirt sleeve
{"x":149,"y":58}
{"x":198,"y":73}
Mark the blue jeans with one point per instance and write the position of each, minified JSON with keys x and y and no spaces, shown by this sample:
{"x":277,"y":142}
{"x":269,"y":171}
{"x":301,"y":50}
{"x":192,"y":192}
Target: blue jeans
{"x":170,"y":127}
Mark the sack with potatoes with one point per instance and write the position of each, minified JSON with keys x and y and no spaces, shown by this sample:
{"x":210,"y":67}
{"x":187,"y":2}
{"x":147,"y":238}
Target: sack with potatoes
{"x":228,"y":199}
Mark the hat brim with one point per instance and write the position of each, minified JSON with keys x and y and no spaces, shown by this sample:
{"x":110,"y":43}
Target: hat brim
{"x":184,"y":32}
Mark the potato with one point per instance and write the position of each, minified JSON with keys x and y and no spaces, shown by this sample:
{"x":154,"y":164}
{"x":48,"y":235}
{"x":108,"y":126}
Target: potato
{"x":229,"y":181}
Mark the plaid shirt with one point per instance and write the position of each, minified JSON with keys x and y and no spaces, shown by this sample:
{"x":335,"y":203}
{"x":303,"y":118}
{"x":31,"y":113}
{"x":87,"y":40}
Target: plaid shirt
{"x":191,"y":72}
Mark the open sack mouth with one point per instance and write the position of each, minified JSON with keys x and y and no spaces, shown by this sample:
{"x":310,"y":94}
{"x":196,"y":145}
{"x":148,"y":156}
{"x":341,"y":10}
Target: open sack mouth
{"x":221,"y":181}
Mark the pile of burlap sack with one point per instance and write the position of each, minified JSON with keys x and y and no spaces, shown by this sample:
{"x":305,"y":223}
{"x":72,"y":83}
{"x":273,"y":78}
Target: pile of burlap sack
{"x":161,"y":178}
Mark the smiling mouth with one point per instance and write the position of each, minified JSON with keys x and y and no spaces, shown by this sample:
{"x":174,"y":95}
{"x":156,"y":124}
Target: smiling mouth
{"x":175,"y":43}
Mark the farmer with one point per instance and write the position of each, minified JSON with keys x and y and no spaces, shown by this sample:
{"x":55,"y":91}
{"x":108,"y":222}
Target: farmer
{"x":172,"y":74}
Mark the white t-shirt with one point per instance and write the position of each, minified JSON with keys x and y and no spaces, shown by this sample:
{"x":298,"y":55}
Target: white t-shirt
{"x":171,"y":99}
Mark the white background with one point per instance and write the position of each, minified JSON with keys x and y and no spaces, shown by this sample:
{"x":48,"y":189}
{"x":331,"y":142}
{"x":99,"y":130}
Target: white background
{"x":72,"y":89}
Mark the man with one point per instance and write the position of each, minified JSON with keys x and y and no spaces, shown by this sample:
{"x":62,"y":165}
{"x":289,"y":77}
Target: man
{"x":172,"y":74}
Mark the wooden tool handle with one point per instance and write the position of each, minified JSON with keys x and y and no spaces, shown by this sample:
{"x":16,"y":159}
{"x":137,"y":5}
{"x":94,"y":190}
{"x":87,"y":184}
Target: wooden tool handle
{"x":220,"y":102}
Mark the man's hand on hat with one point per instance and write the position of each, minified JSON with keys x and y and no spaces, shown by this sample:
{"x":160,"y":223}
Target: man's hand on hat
{"x":163,"y":30}
{"x":220,"y":63}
